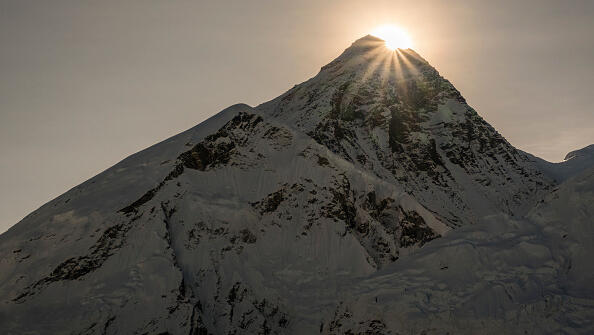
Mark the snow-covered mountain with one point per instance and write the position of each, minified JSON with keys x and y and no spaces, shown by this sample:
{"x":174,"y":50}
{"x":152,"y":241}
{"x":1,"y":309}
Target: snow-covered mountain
{"x":369,"y":199}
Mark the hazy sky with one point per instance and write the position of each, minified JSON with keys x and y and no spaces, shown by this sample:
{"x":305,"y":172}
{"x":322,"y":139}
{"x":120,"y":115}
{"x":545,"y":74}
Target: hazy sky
{"x":83,"y":84}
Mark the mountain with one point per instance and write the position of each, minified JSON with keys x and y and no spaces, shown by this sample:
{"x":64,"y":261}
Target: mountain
{"x":369,"y":199}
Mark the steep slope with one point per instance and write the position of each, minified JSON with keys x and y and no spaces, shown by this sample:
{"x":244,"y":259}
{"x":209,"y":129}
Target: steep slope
{"x":263,"y":220}
{"x":392,"y":114}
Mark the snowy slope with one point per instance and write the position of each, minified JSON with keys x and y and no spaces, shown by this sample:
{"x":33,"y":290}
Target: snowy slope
{"x":502,"y":276}
{"x":283,"y":208}
{"x":328,"y":209}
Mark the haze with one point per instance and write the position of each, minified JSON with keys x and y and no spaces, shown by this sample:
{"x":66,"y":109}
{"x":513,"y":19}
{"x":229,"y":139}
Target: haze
{"x":86,"y":83}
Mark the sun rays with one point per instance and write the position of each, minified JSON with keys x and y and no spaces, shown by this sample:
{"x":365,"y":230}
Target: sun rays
{"x":384,"y":70}
{"x":386,"y":64}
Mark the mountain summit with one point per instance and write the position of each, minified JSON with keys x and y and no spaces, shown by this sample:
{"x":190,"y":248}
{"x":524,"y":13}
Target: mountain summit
{"x":391,"y":114}
{"x":368,"y":199}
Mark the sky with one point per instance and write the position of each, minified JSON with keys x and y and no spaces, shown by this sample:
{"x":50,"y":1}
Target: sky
{"x":84,"y":84}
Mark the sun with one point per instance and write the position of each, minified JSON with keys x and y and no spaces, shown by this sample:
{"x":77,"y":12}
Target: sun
{"x":395,"y":37}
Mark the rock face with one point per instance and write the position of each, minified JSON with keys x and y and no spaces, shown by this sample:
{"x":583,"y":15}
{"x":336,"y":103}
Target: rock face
{"x":297,"y":216}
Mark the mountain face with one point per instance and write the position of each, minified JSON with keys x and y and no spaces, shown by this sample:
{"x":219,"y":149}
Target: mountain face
{"x":393,"y":115}
{"x":369,"y":199}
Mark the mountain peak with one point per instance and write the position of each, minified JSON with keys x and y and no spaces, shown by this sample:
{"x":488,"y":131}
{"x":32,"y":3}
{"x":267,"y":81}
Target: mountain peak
{"x":370,"y":48}
{"x":392,"y":114}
